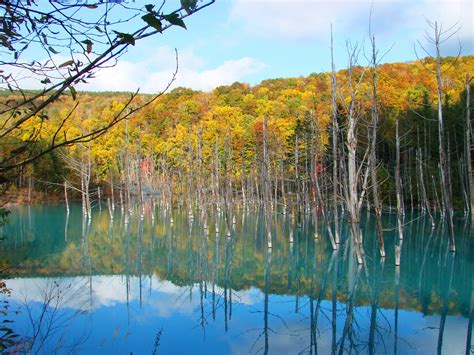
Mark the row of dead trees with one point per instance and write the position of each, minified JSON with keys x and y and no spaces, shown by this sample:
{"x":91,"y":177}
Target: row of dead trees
{"x":329,"y":183}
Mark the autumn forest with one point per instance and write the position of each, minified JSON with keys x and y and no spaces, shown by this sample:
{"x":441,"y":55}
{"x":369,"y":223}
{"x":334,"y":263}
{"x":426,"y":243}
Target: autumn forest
{"x":239,"y":215}
{"x":239,"y":143}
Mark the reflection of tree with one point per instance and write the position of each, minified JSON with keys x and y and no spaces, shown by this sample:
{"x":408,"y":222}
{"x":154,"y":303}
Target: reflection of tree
{"x":469,"y":348}
{"x":172,"y":260}
{"x":447,"y":290}
{"x":265,"y":307}
{"x":314,"y":312}
{"x":348,"y":331}
{"x":215,"y":275}
{"x":266,"y":328}
{"x":397,"y":283}
{"x":186,"y":257}
{"x":152,"y":249}
{"x":49,"y":329}
{"x":334,"y":304}
{"x":376,"y":280}
{"x":140,"y":263}
{"x":127,"y":266}
{"x":227,"y":279}
{"x":203,"y":267}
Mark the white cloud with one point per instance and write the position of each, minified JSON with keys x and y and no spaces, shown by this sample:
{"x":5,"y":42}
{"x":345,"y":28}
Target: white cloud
{"x":292,"y":19}
{"x":391,"y":19}
{"x":152,"y":74}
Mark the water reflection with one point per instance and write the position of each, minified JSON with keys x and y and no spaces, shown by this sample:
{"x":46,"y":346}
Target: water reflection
{"x":201,"y":291}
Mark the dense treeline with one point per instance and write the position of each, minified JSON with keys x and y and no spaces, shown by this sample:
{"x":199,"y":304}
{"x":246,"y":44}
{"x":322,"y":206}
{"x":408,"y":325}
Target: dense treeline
{"x":270,"y":142}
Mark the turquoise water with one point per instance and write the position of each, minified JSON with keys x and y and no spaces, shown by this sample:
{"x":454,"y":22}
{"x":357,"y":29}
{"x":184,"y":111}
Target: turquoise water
{"x":153,"y":286}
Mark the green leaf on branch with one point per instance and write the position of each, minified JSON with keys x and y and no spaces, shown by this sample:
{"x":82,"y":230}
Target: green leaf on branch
{"x":125,"y":38}
{"x":52,"y":50}
{"x":189,"y":5}
{"x":66,"y":64}
{"x":175,"y":19}
{"x":151,"y":20}
{"x":149,"y":7}
{"x":73,"y":92}
{"x":45,"y":39}
{"x":88,"y":43}
{"x":45,"y":81}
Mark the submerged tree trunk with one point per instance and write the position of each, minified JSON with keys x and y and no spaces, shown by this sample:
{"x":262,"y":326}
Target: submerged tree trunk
{"x":266,"y":188}
{"x":322,"y":206}
{"x":353,"y":173}
{"x":398,"y":184}
{"x":424,"y":195}
{"x":112,"y":199}
{"x":446,"y":198}
{"x":65,"y":197}
{"x":127,"y":175}
{"x":335,"y":157}
{"x":469,"y":146}
{"x":373,"y":154}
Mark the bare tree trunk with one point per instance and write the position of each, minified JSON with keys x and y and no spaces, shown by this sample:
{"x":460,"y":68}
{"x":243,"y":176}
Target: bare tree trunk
{"x":87,"y":182}
{"x":266,"y":189}
{"x":282,"y":181}
{"x":373,"y":154}
{"x":127,"y":176}
{"x":314,"y":127}
{"x":65,"y":197}
{"x":335,"y":157}
{"x":398,"y":184}
{"x":139,"y":173}
{"x":99,"y":198}
{"x":297,"y":180}
{"x":398,"y":252}
{"x":30,"y":187}
{"x":111,"y":211}
{"x":469,"y":146}
{"x":112,"y":193}
{"x":243,"y":179}
{"x":442,"y":154}
{"x":216,"y":177}
{"x":353,"y":174}
{"x":121,"y":201}
{"x":83,"y":195}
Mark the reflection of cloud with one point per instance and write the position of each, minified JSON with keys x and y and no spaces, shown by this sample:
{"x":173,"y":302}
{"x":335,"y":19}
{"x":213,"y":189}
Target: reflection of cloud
{"x":179,"y":308}
{"x":66,"y":292}
{"x":109,"y":291}
{"x":248,"y":297}
{"x":420,"y":331}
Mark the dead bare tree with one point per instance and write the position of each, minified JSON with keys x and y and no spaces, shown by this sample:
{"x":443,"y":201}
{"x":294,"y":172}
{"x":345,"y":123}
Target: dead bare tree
{"x":373,"y":154}
{"x":353,"y":201}
{"x":469,"y":146}
{"x":436,"y":39}
{"x":335,"y":155}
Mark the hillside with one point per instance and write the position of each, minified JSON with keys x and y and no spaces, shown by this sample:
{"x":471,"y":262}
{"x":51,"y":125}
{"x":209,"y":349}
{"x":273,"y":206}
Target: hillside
{"x":180,"y":139}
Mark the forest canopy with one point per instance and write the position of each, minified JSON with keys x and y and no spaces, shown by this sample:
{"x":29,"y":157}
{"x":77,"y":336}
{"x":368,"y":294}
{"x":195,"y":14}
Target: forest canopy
{"x":55,"y":45}
{"x":180,"y":135}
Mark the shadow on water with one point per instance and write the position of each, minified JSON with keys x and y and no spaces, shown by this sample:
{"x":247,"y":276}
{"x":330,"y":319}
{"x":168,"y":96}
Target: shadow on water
{"x":174,"y":277}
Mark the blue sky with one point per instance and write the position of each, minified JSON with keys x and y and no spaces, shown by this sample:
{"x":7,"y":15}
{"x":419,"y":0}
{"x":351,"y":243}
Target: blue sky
{"x":253,"y":40}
